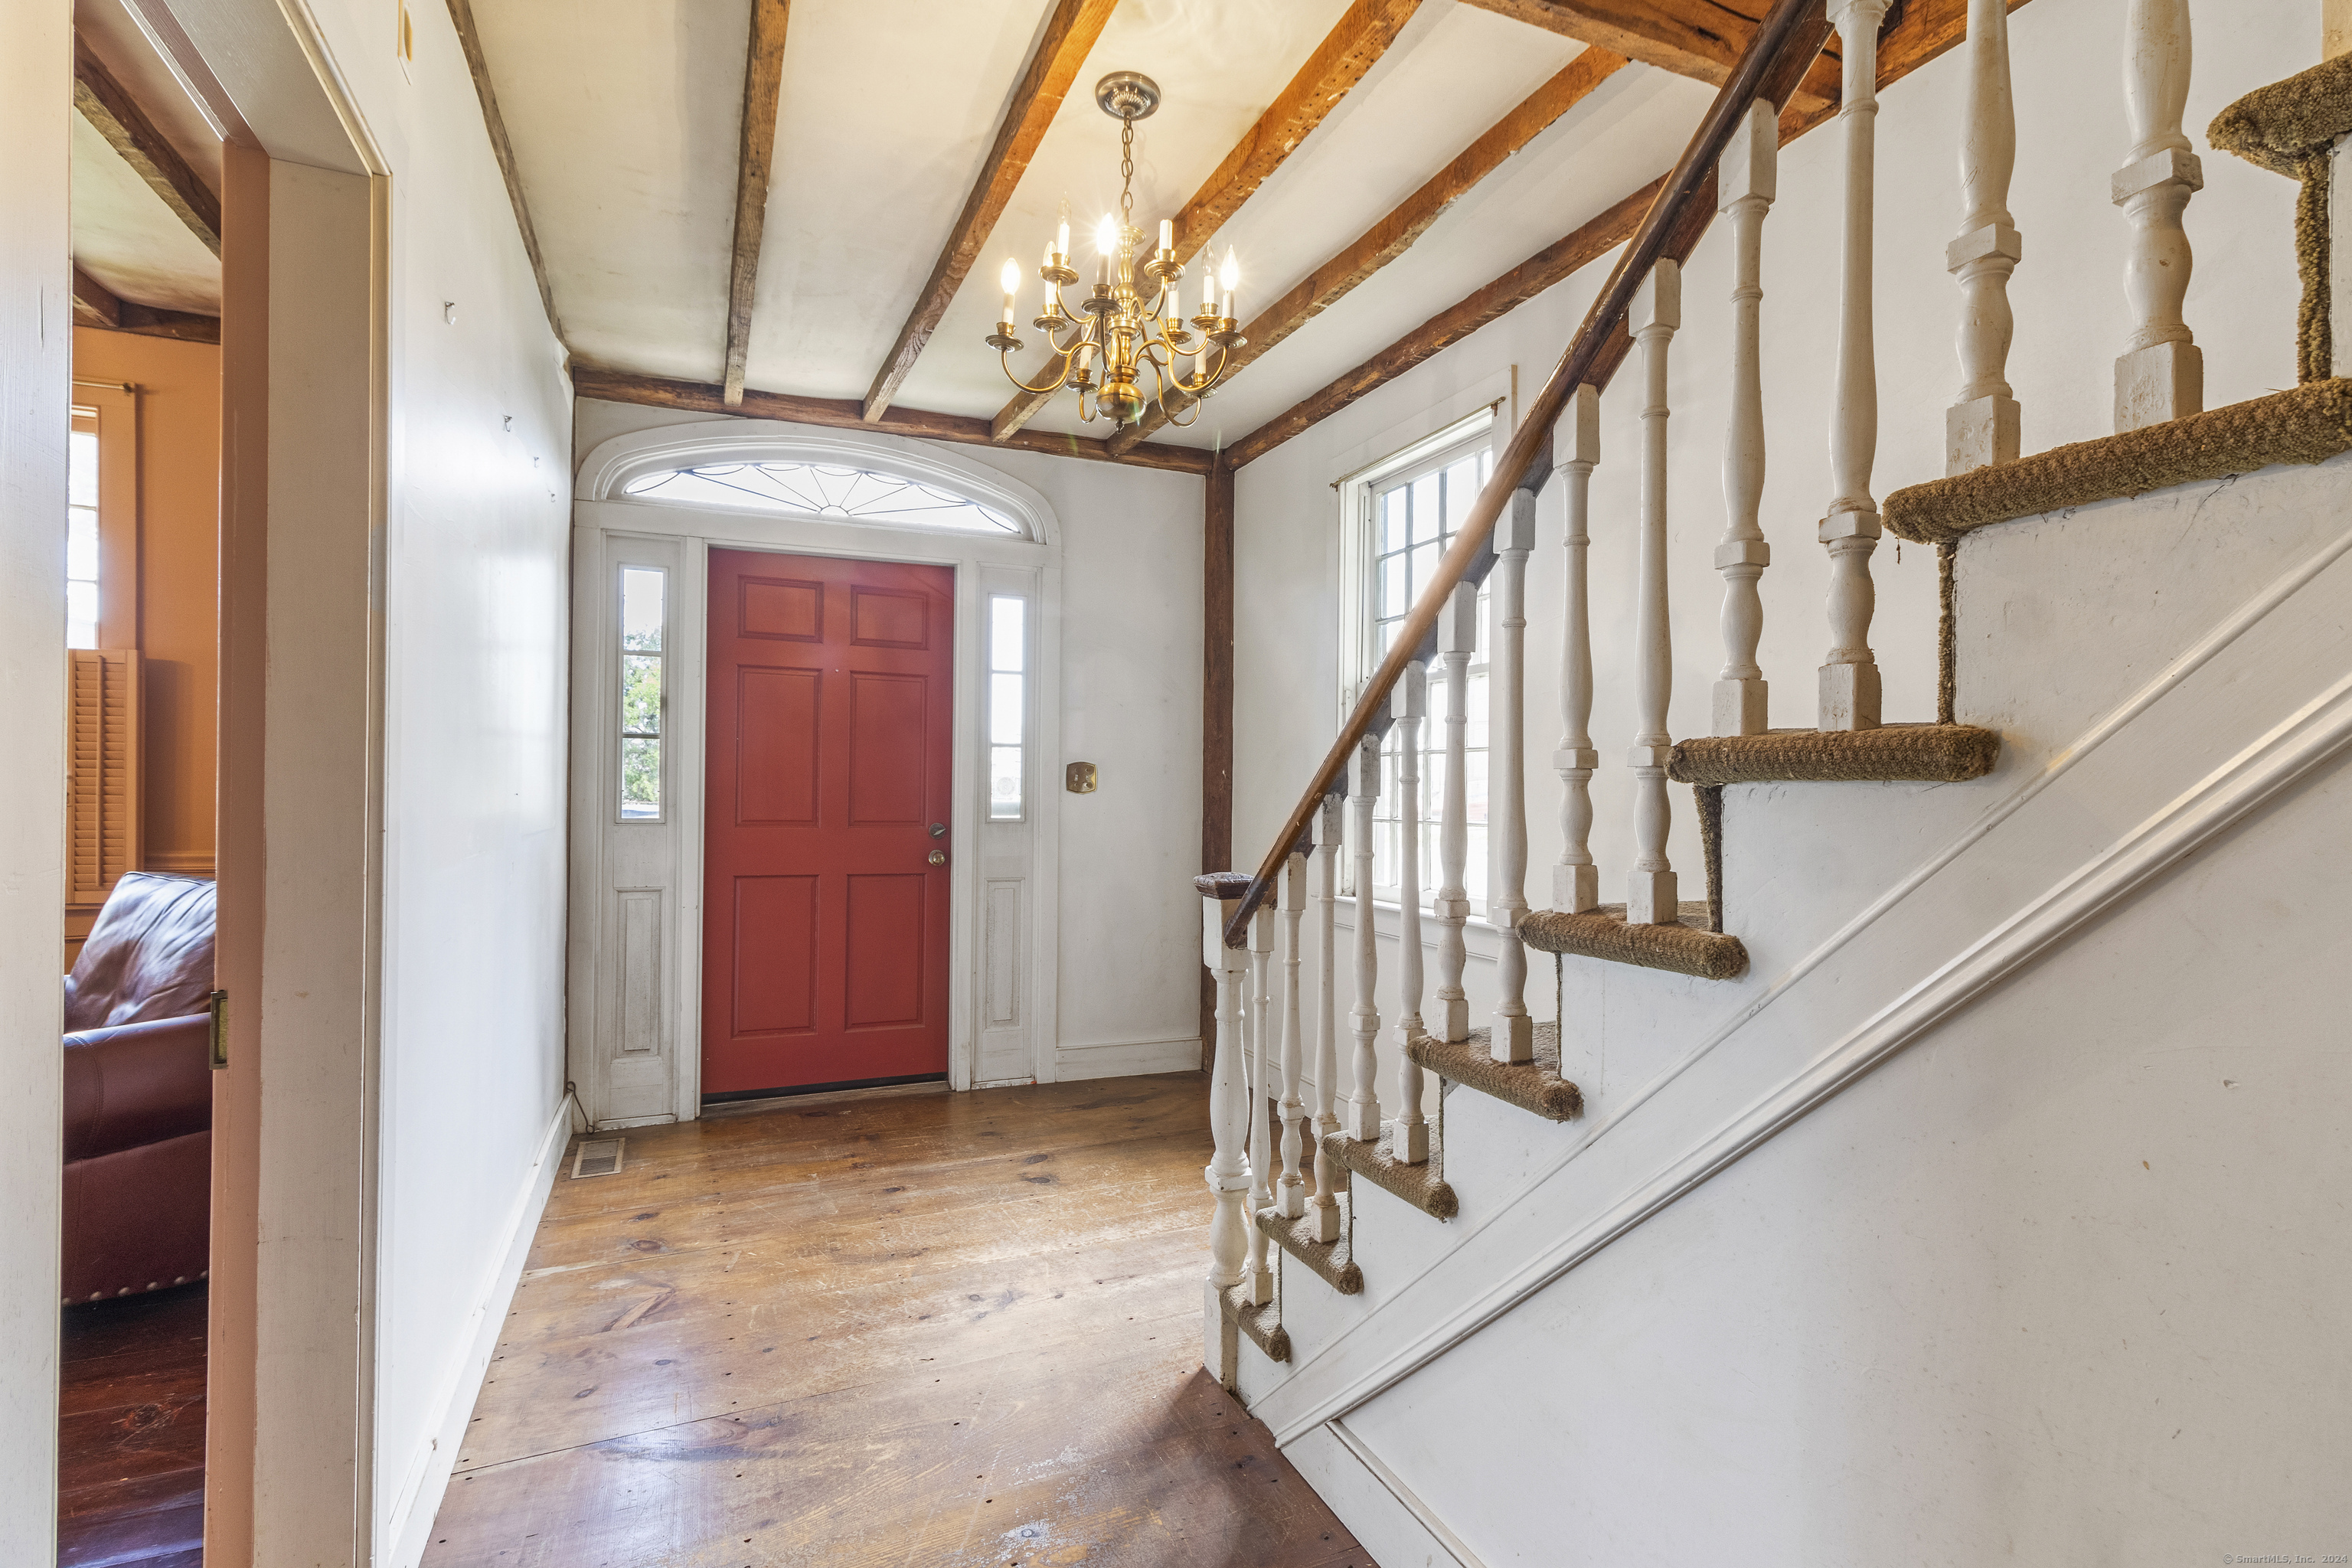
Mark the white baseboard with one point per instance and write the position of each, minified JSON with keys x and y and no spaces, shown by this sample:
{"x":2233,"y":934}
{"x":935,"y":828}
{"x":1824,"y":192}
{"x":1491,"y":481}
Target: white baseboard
{"x":1387,"y":1519}
{"x":1126,"y":1058}
{"x":410,"y":1521}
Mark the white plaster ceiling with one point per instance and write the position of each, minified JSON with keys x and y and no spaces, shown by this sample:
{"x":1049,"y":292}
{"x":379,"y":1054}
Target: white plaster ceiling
{"x":624,"y":119}
{"x":123,"y":235}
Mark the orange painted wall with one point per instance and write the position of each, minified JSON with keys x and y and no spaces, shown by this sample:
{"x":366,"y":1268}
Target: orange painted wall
{"x":178,"y":576}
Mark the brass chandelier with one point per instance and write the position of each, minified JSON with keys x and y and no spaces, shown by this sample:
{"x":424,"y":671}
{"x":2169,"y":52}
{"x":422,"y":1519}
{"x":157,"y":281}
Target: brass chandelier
{"x":1125,"y":324}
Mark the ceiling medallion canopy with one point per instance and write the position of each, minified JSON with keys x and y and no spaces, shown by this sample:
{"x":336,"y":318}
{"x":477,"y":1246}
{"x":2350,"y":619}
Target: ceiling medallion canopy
{"x":1125,"y":323}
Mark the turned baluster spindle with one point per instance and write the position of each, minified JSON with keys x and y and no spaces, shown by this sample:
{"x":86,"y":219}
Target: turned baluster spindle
{"x":1290,"y":1193}
{"x":1576,"y":880}
{"x":1226,"y":1172}
{"x":1849,"y":681}
{"x":1364,"y":1098}
{"x":2161,"y":374}
{"x":1457,"y":636}
{"x":1511,"y":1032}
{"x":1257,"y":1276}
{"x":1981,"y":427}
{"x":1746,"y":181}
{"x":1331,"y":1178}
{"x":1409,"y":1133}
{"x":1653,"y":898}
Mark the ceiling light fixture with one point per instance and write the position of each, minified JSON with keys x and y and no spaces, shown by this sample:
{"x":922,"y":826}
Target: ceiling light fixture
{"x":1123,"y":327}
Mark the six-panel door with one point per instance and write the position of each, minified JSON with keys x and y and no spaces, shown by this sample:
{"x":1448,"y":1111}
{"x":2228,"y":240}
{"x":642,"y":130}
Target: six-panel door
{"x":824,"y":917}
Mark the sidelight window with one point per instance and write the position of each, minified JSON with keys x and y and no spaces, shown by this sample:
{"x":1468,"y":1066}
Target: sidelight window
{"x":643,"y":594}
{"x":1008,"y":711}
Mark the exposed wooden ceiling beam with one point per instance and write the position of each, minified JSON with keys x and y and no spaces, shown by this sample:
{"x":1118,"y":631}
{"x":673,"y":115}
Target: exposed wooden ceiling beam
{"x":763,"y":80}
{"x":1701,"y":39}
{"x":114,"y":114}
{"x":1341,"y":61}
{"x":846,"y":414}
{"x":469,"y":39}
{"x":1394,"y":234}
{"x":1925,"y":29}
{"x":96,"y":305}
{"x":1069,"y":37}
{"x":1587,"y":243}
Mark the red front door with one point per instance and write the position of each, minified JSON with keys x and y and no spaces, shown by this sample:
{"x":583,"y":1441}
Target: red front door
{"x":824,"y":927}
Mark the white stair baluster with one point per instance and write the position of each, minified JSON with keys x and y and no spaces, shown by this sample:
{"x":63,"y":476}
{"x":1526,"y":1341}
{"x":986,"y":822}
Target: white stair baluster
{"x":1849,"y":681}
{"x":1511,"y":1033}
{"x":1227,"y":1174}
{"x":1364,"y":1098}
{"x":2161,"y":374}
{"x":1982,"y":428}
{"x":1457,"y":634}
{"x":1651,"y":898}
{"x":1409,"y":1134}
{"x":1257,"y":1276}
{"x":1290,"y":1191}
{"x":1576,"y":880}
{"x":1329,"y":1177}
{"x":1745,"y":183}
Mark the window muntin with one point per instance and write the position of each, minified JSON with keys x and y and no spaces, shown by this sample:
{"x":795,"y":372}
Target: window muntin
{"x":1008,"y":663}
{"x":822,"y":489}
{"x":1412,"y":515}
{"x":82,"y":585}
{"x":644,"y":596}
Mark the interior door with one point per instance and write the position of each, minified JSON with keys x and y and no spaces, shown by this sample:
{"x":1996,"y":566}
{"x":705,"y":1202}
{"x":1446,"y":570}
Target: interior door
{"x":832,"y":687}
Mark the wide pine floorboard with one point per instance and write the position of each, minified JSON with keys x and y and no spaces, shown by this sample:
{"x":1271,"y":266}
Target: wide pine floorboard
{"x":130,"y":1432}
{"x":919,"y":1331}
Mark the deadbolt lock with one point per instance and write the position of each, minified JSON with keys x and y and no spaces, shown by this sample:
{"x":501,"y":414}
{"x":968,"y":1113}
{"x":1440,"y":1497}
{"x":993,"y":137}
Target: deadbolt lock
{"x":938,"y":830}
{"x":939,"y":856}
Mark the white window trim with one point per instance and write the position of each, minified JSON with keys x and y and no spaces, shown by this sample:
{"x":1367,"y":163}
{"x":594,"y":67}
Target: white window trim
{"x":1357,"y":658}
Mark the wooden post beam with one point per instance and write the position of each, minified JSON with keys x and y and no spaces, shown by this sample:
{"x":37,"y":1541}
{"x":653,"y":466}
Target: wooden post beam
{"x":1069,"y":37}
{"x":764,"y":77}
{"x":114,"y":114}
{"x":846,"y":413}
{"x":1348,"y":51}
{"x":1392,"y":236}
{"x":96,"y":305}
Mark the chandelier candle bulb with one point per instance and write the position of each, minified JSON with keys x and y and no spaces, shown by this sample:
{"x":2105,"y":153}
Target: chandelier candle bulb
{"x":1166,"y":234}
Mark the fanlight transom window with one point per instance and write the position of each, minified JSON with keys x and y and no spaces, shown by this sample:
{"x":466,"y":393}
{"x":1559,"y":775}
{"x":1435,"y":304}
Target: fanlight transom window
{"x":822,"y":489}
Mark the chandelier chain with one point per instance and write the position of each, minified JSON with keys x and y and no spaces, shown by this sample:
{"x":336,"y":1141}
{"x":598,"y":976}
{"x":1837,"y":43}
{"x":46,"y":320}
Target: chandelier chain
{"x":1126,"y":170}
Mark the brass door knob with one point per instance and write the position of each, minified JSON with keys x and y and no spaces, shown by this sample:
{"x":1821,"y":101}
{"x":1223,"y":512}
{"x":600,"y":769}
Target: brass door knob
{"x":939,"y":856}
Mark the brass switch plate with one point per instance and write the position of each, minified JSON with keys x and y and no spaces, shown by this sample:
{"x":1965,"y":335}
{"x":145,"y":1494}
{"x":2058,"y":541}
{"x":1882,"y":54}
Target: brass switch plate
{"x":1079,"y":778}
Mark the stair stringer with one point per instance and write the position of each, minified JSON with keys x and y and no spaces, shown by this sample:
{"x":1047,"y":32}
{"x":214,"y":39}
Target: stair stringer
{"x":2254,"y":617}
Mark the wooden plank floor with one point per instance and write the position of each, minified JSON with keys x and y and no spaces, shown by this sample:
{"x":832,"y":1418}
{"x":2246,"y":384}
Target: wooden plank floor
{"x":917,"y":1332}
{"x":130,"y":1432}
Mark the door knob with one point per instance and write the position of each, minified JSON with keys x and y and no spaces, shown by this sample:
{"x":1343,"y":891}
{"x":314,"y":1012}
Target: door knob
{"x":939,"y":856}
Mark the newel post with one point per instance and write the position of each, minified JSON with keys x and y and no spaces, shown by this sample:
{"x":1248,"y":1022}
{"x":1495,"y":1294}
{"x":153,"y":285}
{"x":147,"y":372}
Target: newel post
{"x":1227,"y":1174}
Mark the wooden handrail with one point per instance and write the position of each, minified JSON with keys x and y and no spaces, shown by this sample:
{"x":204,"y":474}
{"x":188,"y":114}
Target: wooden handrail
{"x":1776,"y":60}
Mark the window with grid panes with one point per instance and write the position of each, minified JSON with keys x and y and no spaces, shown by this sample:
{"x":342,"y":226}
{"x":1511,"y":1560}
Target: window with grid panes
{"x":1414,"y":514}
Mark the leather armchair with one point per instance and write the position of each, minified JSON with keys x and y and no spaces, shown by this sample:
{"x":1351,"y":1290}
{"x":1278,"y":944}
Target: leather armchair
{"x":139,"y":1098}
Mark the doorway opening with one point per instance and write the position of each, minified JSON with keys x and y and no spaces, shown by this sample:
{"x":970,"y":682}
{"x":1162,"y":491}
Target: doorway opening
{"x":827,"y":837}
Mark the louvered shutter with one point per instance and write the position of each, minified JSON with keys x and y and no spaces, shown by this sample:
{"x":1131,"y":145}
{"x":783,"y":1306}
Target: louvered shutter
{"x":102,"y":793}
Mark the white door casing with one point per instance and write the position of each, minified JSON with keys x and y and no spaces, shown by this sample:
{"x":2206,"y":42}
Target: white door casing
{"x":636,"y":949}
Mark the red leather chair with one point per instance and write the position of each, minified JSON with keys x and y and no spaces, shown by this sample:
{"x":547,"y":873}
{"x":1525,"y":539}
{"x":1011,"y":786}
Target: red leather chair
{"x":139,"y":1092}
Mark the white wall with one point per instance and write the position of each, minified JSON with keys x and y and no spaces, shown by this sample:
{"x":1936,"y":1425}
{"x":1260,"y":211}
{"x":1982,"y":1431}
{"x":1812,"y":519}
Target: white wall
{"x":36,"y":348}
{"x":2070,"y":322}
{"x":2046,"y":1283}
{"x":1131,"y":703}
